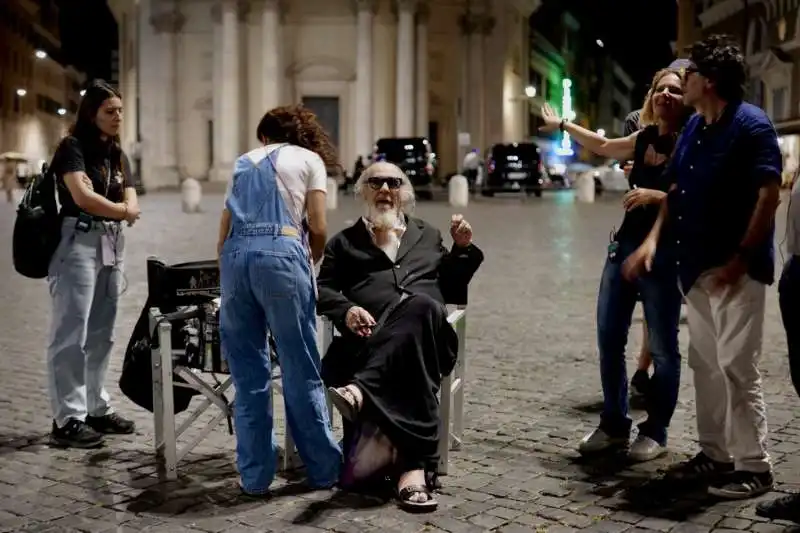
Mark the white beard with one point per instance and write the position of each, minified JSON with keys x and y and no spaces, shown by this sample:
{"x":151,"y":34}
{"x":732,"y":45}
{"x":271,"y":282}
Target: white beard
{"x":383,"y":219}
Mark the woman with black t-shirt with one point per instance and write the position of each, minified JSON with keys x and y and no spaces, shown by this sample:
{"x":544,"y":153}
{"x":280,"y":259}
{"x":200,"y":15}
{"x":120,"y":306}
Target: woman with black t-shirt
{"x":663,"y":115}
{"x":96,"y":194}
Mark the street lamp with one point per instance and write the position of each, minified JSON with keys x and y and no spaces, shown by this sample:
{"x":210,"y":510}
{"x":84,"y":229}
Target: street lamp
{"x":21,"y":92}
{"x":40,"y":54}
{"x":83,"y":92}
{"x":530,"y":91}
{"x":61,"y":111}
{"x":600,"y":43}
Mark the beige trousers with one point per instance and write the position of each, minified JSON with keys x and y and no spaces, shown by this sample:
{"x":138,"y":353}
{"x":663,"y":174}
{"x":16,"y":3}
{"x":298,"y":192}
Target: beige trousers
{"x":726,"y":328}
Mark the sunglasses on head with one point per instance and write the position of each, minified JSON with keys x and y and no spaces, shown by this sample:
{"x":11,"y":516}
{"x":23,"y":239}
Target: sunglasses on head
{"x":377,"y":182}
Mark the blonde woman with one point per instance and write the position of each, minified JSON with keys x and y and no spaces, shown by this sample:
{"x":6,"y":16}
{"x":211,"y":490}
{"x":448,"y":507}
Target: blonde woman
{"x":662,"y":117}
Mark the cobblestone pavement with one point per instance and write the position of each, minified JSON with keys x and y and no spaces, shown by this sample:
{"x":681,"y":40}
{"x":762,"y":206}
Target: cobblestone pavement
{"x":532,"y":392}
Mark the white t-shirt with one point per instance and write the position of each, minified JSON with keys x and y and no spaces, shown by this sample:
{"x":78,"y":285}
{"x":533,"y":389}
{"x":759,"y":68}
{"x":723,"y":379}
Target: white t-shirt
{"x":300,"y":170}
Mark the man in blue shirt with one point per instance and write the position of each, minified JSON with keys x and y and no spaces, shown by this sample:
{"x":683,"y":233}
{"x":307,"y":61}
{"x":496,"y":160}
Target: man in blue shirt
{"x":719,"y":215}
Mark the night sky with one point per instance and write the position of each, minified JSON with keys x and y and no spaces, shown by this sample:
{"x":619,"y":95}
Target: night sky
{"x":88,"y":34}
{"x":636,"y":32}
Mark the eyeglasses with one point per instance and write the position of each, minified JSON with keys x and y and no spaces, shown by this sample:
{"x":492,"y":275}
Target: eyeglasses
{"x":376,"y":183}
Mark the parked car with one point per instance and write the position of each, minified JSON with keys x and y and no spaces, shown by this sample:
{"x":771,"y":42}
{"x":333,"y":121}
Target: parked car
{"x":513,"y":167}
{"x":611,"y":178}
{"x":414,"y":156}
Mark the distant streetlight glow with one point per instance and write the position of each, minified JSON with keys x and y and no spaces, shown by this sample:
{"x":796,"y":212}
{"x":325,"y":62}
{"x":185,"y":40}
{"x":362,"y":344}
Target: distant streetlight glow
{"x":530,"y":91}
{"x":21,"y":92}
{"x":83,"y":92}
{"x":600,"y":43}
{"x":62,"y":111}
{"x":40,"y":54}
{"x":601,"y":132}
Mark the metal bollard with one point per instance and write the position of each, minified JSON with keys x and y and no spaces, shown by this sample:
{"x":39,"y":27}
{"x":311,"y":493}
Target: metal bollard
{"x":191,"y":194}
{"x":458,"y":191}
{"x":585,"y":188}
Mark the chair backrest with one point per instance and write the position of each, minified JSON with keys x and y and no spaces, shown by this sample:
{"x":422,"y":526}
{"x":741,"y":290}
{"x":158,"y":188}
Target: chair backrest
{"x":192,"y":283}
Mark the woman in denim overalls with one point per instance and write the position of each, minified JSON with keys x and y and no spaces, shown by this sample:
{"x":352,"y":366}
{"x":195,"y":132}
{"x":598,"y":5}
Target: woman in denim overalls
{"x":272,"y":226}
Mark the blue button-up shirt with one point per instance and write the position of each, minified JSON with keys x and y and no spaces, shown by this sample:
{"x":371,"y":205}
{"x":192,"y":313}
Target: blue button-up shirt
{"x":718,"y":170}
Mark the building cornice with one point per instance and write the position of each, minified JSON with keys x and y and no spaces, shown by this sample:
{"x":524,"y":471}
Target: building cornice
{"x":721,"y":11}
{"x":526,"y":7}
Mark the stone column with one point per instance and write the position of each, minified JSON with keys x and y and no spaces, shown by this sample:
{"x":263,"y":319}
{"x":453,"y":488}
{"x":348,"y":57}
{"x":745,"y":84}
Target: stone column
{"x":404,"y":92}
{"x":474,"y":26}
{"x":159,"y":111}
{"x":271,"y":76}
{"x":364,"y":135}
{"x":422,"y":71}
{"x":226,"y":88}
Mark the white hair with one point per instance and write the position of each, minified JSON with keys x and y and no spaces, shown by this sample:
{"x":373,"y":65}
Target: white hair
{"x":384,"y":169}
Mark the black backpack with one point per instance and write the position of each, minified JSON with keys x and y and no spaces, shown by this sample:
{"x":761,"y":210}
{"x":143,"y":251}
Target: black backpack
{"x":37,"y":230}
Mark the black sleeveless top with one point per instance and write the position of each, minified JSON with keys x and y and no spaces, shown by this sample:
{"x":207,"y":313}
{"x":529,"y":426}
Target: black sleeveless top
{"x":651,"y":155}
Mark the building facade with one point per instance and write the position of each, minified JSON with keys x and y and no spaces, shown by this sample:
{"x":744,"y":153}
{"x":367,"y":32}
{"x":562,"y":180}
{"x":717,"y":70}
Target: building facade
{"x":571,"y":71}
{"x":203,"y":72}
{"x":770,"y":33}
{"x":39,"y":92}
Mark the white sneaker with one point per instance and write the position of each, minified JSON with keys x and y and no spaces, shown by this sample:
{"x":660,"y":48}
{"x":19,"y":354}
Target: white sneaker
{"x":645,"y":449}
{"x":599,"y":441}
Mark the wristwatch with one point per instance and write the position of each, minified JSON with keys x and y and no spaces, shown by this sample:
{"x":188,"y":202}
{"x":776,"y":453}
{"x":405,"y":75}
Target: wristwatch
{"x":563,"y":124}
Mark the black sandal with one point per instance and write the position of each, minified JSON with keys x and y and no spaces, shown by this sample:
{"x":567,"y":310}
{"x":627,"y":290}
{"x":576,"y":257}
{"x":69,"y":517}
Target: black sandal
{"x":405,"y":503}
{"x":345,"y":401}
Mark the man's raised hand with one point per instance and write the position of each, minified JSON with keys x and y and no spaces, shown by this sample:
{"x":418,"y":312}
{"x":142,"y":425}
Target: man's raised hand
{"x":460,"y":231}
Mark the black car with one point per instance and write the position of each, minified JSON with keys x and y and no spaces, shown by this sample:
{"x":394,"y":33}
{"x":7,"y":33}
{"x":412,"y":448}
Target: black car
{"x":414,"y":156}
{"x":513,"y":167}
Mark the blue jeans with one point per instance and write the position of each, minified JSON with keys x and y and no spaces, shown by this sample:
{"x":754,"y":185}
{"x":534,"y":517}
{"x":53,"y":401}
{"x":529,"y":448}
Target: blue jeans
{"x":85,"y":296}
{"x":267,"y":285}
{"x":661,"y":301}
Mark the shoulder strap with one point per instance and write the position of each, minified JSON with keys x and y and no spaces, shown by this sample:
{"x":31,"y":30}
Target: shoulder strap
{"x":274,"y":163}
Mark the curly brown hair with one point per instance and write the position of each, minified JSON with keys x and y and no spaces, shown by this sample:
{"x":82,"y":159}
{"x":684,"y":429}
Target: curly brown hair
{"x":298,"y":125}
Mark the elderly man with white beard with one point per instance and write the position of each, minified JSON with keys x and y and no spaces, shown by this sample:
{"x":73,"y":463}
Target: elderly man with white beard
{"x":384,"y":283}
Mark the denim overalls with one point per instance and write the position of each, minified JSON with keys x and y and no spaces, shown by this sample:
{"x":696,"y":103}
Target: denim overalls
{"x":267,"y":284}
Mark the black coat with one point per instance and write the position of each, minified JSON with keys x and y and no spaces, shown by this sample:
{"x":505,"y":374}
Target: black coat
{"x":356,"y":272}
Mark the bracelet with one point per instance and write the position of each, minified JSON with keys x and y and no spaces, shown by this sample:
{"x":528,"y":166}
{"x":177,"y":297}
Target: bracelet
{"x":562,"y":126}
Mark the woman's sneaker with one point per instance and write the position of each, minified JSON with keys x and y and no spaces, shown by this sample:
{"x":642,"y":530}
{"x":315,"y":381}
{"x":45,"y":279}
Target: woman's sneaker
{"x":75,"y":434}
{"x":645,"y":449}
{"x":742,"y":485}
{"x":111,"y":424}
{"x":598,"y":441}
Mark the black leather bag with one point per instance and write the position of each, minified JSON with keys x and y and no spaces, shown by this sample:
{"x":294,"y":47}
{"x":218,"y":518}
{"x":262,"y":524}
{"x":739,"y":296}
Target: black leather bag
{"x":136,"y":380}
{"x":37,"y":230}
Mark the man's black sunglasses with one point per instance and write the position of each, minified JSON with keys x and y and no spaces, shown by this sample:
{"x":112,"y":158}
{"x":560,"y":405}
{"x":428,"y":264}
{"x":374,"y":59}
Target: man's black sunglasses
{"x":377,"y":182}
